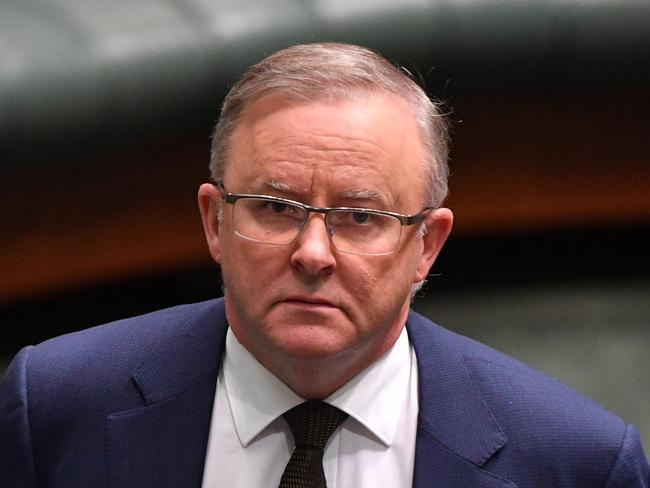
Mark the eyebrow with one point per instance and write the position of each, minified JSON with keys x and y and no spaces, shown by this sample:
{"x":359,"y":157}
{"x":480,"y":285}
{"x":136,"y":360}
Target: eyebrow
{"x":363,"y":194}
{"x":281,"y":187}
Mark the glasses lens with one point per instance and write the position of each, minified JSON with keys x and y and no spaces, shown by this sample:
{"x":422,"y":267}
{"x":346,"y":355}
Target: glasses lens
{"x":360,"y":232}
{"x":267,"y":220}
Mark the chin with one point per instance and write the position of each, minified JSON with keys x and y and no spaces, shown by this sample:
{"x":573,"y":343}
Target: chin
{"x":311,"y":342}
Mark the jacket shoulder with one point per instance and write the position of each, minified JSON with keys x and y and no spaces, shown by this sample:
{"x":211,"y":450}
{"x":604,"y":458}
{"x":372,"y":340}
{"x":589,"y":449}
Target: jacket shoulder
{"x":56,"y":396}
{"x":506,"y":383}
{"x":553,"y":432}
{"x":95,"y":362}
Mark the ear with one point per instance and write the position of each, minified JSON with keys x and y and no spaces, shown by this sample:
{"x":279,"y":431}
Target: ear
{"x":209,"y":202}
{"x":438,"y":224}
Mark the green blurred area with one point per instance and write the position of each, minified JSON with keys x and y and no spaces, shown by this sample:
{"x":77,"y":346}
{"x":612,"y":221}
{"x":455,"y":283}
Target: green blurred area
{"x":593,"y":336}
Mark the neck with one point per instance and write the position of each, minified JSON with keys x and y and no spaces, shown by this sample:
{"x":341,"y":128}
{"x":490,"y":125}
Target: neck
{"x":317,"y":378}
{"x":315,"y":375}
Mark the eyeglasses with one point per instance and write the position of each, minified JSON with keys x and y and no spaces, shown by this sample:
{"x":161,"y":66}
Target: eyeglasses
{"x":278,"y":221}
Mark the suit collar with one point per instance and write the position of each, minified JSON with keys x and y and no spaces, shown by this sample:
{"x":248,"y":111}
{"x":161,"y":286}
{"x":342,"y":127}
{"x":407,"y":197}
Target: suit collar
{"x":452,"y":409}
{"x":163,"y":444}
{"x":453,"y":415}
{"x":192,"y":354}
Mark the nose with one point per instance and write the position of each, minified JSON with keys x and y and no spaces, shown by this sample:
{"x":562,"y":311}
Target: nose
{"x":313,"y":252}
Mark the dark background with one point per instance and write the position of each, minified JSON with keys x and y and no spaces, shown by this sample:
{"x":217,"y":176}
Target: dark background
{"x":106,"y":109}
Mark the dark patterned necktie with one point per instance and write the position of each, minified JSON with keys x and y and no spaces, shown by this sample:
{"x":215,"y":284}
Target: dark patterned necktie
{"x":312,"y":423}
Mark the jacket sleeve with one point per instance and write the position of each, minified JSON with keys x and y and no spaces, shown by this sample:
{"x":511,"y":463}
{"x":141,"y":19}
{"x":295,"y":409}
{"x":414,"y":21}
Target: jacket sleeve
{"x":16,"y":454}
{"x":631,"y":469}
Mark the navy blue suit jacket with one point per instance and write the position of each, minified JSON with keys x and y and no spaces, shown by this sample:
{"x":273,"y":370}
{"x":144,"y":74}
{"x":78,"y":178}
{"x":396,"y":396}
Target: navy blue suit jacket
{"x":128,"y":404}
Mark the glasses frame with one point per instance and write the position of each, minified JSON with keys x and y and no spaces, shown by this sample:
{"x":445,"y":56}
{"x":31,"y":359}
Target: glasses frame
{"x":404,"y":220}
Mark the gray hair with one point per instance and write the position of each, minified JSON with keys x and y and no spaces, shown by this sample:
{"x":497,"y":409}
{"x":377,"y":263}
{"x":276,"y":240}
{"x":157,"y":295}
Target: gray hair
{"x":335,"y":71}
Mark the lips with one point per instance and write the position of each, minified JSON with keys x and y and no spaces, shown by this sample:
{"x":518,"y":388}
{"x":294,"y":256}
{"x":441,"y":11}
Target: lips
{"x":308,"y":301}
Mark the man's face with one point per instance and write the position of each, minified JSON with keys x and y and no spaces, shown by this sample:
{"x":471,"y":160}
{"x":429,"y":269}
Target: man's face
{"x":306,"y":299}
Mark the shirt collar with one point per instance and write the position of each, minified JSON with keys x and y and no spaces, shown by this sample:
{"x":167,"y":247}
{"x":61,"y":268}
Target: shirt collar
{"x":374,"y":397}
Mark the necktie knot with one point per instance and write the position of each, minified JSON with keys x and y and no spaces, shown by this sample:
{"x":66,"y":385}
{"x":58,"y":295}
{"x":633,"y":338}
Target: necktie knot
{"x":312,"y":423}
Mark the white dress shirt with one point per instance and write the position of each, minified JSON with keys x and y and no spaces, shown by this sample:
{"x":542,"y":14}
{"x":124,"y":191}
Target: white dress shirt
{"x":250,"y":443}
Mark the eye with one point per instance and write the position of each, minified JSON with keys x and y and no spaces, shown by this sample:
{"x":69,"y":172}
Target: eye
{"x":361,"y":217}
{"x":278,"y":207}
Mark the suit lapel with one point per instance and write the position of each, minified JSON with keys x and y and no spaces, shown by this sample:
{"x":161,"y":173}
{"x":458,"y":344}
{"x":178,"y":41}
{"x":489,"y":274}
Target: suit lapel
{"x":163,"y":443}
{"x":457,"y":434}
{"x":437,"y":466}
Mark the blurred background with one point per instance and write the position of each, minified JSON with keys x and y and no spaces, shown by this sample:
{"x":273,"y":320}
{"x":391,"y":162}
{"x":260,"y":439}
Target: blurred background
{"x":106,"y":110}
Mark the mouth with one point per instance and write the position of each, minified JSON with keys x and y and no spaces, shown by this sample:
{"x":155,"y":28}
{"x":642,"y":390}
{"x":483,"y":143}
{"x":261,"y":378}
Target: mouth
{"x":312,"y":302}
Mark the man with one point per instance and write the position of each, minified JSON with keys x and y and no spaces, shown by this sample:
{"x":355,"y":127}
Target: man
{"x":325,"y":215}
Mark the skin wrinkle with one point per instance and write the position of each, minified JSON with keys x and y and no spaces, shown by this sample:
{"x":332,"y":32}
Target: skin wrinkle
{"x":314,"y":157}
{"x":315,"y":349}
{"x":311,"y":73}
{"x":333,"y":174}
{"x":325,"y":142}
{"x":356,"y":195}
{"x":343,"y":154}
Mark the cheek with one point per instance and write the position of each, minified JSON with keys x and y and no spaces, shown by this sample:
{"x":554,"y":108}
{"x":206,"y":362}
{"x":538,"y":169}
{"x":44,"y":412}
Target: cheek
{"x":392,"y":278}
{"x":363,"y":276}
{"x":236,"y":265}
{"x":252,"y":267}
{"x":369,"y":283}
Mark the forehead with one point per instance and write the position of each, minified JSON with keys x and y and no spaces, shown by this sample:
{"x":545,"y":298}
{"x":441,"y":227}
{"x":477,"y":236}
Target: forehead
{"x":368,"y":142}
